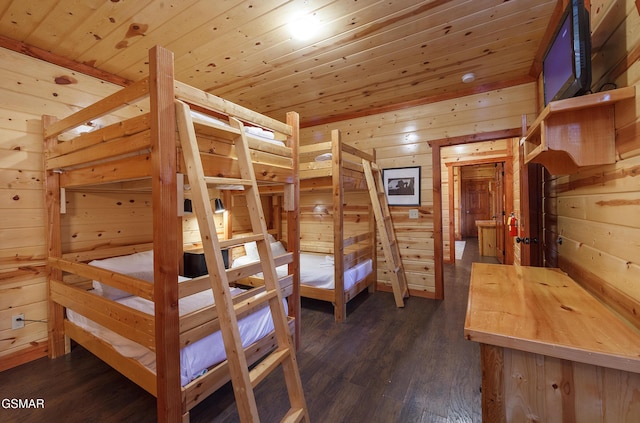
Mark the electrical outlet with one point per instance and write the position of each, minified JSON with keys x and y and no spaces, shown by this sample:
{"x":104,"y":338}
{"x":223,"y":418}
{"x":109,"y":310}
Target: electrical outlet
{"x":413,"y":214}
{"x":17,"y":321}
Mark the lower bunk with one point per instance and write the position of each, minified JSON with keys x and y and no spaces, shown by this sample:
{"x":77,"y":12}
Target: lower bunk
{"x":119,"y":327}
{"x":320,"y":278}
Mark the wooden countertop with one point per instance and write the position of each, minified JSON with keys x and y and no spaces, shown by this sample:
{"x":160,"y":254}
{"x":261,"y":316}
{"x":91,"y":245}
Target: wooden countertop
{"x":485,"y":223}
{"x":544,"y":311}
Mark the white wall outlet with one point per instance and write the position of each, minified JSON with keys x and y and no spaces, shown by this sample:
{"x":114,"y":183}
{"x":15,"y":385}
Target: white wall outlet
{"x":413,"y":214}
{"x":17,"y":321}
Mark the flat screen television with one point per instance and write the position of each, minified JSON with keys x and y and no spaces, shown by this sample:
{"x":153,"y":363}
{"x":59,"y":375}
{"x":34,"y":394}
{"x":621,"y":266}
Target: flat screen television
{"x":566,"y":67}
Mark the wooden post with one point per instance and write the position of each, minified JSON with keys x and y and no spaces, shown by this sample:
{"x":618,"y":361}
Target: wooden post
{"x":340,"y":305}
{"x":437,"y":222}
{"x":373,"y":241}
{"x":509,"y":202}
{"x":227,"y":225}
{"x":451,"y":254}
{"x":292,"y":208}
{"x":165,"y":234}
{"x":55,"y":312}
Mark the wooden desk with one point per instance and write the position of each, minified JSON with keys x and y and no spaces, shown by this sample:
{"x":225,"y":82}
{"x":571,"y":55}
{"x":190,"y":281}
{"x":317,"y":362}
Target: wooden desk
{"x":549,"y":350}
{"x":486,"y":237}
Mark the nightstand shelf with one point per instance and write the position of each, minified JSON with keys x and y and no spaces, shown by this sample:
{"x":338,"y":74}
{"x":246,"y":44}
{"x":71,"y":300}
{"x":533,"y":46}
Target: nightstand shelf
{"x":195,"y":264}
{"x":575,"y":132}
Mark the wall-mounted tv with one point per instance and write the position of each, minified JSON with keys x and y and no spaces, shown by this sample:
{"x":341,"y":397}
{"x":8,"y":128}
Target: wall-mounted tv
{"x":566,"y":67}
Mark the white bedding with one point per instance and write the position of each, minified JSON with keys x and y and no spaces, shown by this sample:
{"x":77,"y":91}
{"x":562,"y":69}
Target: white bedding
{"x":254,"y":131}
{"x":195,"y":358}
{"x":318,"y":270}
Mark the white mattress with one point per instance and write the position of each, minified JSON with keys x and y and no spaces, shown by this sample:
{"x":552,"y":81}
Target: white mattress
{"x":195,"y":358}
{"x":318,"y":270}
{"x":254,"y":131}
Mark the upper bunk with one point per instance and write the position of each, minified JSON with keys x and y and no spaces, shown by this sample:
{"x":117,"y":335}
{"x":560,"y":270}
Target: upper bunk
{"x":117,"y":152}
{"x":329,"y":163}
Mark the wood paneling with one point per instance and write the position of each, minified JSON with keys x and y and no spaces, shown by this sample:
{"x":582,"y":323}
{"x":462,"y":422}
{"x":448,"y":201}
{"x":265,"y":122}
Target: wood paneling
{"x":400,"y":139}
{"x":592,"y":218}
{"x":367,"y":56}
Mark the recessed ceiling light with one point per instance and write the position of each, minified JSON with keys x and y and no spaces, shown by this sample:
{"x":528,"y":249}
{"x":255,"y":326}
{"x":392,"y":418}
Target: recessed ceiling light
{"x":304,"y":27}
{"x":468,"y":77}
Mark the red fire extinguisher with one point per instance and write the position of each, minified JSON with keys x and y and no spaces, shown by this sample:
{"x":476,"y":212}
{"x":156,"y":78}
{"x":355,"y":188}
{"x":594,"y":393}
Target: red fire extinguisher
{"x":512,"y":223}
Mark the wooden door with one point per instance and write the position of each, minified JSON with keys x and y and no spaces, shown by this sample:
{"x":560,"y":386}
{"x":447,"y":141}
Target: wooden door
{"x":499,"y":212}
{"x":475,"y":205}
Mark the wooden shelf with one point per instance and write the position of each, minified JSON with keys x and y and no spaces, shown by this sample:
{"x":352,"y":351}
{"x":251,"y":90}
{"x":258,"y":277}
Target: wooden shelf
{"x":575,"y":132}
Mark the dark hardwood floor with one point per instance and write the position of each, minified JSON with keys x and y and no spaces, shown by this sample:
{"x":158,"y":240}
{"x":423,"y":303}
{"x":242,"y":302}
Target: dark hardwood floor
{"x":384,"y":364}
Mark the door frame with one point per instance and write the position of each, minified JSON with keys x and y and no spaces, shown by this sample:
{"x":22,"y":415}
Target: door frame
{"x":436,"y":145}
{"x":508,"y":198}
{"x":500,"y":212}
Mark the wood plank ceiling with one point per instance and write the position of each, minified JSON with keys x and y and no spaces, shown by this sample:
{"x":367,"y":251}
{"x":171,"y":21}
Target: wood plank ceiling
{"x":367,"y":55}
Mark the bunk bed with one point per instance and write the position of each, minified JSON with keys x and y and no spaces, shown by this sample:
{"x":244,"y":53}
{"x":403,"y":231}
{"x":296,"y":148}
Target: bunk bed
{"x":130,"y":291}
{"x":331,"y":174}
{"x":336,"y":221}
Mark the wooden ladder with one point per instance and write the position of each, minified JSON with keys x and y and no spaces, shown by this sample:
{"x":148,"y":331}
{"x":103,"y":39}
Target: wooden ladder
{"x":244,"y":380}
{"x":387,"y":233}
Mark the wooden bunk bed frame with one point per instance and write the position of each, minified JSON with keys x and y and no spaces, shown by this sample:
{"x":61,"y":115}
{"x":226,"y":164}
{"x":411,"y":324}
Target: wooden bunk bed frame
{"x":146,"y":148}
{"x":341,"y":172}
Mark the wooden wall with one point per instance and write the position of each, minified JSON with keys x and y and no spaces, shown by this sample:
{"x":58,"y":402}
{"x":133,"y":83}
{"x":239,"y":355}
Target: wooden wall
{"x":596,"y":212}
{"x":95,"y":219}
{"x":316,"y":219}
{"x":124,"y":218}
{"x":27,"y":91}
{"x":401,"y":138}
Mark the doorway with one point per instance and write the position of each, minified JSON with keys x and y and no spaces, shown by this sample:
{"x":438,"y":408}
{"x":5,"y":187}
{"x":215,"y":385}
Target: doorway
{"x":480,"y":200}
{"x":466,"y":151}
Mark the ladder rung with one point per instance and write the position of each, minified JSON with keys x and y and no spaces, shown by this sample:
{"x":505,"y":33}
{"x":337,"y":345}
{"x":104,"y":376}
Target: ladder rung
{"x":294,"y":415}
{"x":217,"y":180}
{"x":236,"y":242}
{"x":266,"y":366}
{"x":236,"y":273}
{"x":254,"y":301}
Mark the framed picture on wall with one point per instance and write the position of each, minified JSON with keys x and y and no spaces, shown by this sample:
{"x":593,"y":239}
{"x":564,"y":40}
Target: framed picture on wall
{"x":402,"y":186}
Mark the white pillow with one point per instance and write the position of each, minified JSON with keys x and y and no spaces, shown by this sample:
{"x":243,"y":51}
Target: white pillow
{"x":278,"y":249}
{"x":251,"y":250}
{"x":138,"y":265}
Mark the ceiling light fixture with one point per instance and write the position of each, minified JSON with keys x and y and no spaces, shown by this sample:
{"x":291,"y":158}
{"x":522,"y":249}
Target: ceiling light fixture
{"x":468,"y":77}
{"x":304,"y":27}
